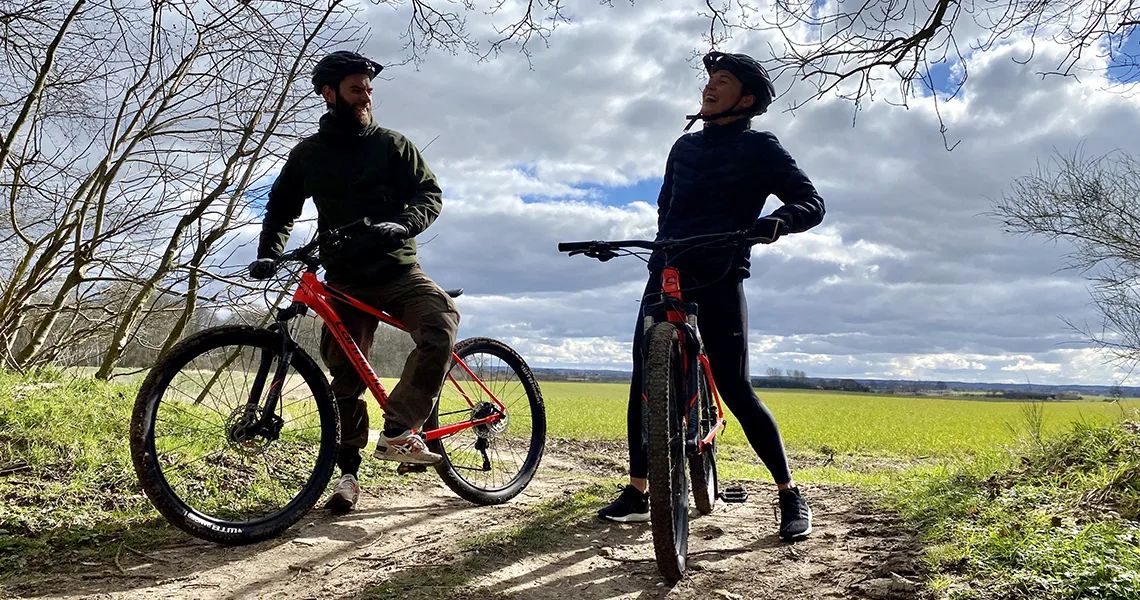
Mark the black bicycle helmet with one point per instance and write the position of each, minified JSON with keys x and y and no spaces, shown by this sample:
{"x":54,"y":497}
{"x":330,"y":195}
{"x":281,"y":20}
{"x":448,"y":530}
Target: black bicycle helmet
{"x":332,"y":69}
{"x":751,"y":74}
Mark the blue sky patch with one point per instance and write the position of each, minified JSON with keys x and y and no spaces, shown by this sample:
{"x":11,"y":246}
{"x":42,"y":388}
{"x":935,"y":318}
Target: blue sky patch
{"x":258,"y":191}
{"x":1122,"y":67}
{"x":943,"y":80}
{"x":645,"y":190}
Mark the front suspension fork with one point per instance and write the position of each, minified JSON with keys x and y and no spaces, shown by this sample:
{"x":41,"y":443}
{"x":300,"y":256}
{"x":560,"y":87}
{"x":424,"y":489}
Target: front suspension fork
{"x":688,"y":404}
{"x":268,"y":424}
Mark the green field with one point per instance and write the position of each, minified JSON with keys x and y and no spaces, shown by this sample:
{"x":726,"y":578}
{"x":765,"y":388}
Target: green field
{"x":814,"y":421}
{"x":848,"y":423}
{"x":898,"y":429}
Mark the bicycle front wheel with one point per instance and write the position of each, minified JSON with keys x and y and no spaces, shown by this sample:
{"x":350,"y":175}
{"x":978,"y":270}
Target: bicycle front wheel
{"x":668,"y":483}
{"x":490,"y":463}
{"x":198,"y":454}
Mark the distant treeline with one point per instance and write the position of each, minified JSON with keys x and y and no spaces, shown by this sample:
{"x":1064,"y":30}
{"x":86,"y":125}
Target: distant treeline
{"x":798,"y":380}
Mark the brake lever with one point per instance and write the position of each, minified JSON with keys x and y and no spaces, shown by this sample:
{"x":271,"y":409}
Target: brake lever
{"x":603,"y":254}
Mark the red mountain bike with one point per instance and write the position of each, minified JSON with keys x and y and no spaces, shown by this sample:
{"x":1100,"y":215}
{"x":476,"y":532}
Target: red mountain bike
{"x":683,"y":411}
{"x":235,"y":432}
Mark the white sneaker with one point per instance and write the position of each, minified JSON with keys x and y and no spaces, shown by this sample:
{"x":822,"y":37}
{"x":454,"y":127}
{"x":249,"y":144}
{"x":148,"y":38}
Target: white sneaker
{"x":406,"y":448}
{"x":345,"y":494}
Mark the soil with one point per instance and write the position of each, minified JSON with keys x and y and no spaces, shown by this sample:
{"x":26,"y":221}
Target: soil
{"x":409,"y":534}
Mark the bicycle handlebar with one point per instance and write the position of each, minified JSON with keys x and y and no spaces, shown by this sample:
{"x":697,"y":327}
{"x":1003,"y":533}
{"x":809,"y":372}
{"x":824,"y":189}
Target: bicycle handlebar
{"x":303,"y":253}
{"x":735,"y":238}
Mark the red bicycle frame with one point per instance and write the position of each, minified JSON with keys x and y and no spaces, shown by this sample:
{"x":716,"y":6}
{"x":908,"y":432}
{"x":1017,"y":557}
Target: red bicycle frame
{"x":315,"y":294}
{"x":671,"y":286}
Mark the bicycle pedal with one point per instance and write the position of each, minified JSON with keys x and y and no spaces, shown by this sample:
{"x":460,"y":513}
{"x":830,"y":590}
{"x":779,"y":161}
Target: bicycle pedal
{"x":734,"y":494}
{"x":406,"y":468}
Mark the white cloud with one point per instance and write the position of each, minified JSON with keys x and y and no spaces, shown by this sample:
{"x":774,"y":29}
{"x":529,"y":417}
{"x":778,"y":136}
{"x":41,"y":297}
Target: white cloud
{"x":906,"y":277}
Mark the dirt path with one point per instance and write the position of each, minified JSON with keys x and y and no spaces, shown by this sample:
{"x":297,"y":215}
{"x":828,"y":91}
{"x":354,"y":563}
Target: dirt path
{"x":855,"y":553}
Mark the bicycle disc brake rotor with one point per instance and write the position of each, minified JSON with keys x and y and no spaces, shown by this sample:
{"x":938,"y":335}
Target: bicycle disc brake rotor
{"x":482,"y":410}
{"x":246,"y":436}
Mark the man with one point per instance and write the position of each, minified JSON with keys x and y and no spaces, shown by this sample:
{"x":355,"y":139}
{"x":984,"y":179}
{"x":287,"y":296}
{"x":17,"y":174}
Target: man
{"x":717,"y":180}
{"x":353,"y":169}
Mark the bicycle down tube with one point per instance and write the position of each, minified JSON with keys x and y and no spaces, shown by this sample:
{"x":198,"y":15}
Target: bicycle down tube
{"x":311,"y":292}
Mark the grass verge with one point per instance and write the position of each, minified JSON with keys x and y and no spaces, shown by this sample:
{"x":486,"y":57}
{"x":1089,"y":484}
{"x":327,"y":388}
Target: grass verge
{"x":67,"y":488}
{"x":68,"y":491}
{"x":1062,"y":522}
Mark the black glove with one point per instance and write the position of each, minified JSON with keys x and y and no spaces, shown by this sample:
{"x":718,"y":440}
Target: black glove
{"x":262,"y":268}
{"x":389,"y":234}
{"x":770,"y":228}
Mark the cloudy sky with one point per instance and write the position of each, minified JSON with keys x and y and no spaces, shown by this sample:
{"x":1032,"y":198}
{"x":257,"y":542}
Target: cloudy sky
{"x":905,"y":278}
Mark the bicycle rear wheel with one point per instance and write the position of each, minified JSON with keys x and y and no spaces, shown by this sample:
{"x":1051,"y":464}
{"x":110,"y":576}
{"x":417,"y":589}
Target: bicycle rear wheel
{"x":197,"y":456}
{"x":491,"y":463}
{"x":668,"y":484}
{"x":702,"y":465}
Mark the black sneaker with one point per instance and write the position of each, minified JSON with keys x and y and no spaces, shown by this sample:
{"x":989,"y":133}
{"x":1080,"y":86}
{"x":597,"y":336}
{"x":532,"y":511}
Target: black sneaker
{"x":631,"y":506}
{"x":795,"y":515}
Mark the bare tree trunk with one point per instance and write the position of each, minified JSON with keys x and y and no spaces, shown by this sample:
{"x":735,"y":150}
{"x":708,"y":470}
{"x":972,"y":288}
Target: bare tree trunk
{"x":280,"y":108}
{"x":44,"y":328}
{"x":93,"y":252}
{"x":107,"y":170}
{"x":133,"y":312}
{"x":38,"y":87}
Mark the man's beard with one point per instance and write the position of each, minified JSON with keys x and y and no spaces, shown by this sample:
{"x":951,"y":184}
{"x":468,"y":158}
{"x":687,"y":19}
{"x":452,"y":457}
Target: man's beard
{"x":347,"y":113}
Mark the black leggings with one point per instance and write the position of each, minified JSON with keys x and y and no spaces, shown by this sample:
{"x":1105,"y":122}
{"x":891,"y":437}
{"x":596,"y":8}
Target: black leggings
{"x":722,"y":319}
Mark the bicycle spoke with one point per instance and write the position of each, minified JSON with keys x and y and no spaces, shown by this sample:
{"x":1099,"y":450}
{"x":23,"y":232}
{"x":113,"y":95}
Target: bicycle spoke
{"x":221,"y":476}
{"x":478,"y":391}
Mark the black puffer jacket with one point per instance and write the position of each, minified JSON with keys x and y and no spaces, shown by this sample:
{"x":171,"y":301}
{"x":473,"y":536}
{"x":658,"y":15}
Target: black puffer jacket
{"x":717,"y":180}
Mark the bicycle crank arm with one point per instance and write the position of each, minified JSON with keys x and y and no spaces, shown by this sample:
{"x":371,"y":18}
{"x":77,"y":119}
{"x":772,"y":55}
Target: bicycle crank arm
{"x":406,"y":468}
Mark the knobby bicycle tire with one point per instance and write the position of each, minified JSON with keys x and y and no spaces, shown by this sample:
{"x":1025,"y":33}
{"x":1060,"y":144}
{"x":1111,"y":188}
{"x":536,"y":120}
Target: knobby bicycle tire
{"x":149,"y":466}
{"x":450,"y":470}
{"x":668,"y":484}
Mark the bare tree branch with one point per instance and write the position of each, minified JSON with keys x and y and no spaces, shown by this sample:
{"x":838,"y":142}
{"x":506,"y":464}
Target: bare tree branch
{"x":1089,"y":204}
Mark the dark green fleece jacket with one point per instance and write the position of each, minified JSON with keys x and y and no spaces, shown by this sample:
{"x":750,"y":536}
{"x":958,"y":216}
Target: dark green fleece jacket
{"x":352,"y":173}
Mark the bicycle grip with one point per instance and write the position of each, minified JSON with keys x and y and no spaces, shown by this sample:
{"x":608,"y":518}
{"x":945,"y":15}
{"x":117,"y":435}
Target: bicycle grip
{"x":573,"y":246}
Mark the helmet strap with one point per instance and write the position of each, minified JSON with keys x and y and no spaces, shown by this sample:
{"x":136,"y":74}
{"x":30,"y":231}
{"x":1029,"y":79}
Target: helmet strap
{"x":732,"y":112}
